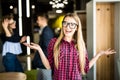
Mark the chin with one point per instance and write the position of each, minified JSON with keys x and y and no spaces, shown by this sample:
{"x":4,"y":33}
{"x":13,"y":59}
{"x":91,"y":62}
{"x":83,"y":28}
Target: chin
{"x":68,"y":35}
{"x":14,"y":28}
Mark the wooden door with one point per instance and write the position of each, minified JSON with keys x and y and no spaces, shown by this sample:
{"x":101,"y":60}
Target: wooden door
{"x":105,"y":39}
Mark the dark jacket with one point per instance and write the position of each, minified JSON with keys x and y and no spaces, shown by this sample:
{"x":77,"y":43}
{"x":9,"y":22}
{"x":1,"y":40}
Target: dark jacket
{"x":45,"y":37}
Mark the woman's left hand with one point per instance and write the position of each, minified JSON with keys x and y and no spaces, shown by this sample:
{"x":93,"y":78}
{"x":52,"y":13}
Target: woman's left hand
{"x":32,"y":46}
{"x":104,"y":52}
{"x":107,"y":52}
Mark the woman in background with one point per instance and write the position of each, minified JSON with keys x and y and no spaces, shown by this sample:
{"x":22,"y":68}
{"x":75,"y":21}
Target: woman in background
{"x":11,"y":45}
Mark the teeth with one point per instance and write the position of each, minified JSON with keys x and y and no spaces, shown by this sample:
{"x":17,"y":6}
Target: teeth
{"x":68,"y":31}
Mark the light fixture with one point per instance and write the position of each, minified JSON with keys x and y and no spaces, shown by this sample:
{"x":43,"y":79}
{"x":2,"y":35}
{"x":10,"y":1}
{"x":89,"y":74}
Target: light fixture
{"x":11,"y":7}
{"x":59,"y":11}
{"x":28,"y":8}
{"x":20,"y":16}
{"x":58,"y":3}
{"x":33,"y":7}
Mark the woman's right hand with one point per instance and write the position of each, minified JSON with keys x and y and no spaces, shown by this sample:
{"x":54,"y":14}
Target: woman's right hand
{"x":32,"y":46}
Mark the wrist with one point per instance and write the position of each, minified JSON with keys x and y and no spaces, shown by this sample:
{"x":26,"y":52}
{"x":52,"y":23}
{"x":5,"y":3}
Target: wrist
{"x":5,"y":28}
{"x":100,"y":54}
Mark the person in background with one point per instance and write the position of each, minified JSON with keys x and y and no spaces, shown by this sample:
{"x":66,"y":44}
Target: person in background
{"x":45,"y":35}
{"x":11,"y":45}
{"x":67,"y":54}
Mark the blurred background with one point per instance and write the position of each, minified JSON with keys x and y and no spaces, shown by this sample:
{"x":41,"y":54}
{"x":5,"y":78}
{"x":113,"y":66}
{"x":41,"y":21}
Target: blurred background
{"x":25,"y":10}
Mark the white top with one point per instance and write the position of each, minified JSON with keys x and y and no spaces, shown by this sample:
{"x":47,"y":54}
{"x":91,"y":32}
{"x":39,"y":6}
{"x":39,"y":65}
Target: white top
{"x":14,"y":48}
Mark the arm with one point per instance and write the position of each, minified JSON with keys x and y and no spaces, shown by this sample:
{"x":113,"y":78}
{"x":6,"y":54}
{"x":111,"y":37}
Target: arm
{"x":94,"y":59}
{"x":42,"y":55}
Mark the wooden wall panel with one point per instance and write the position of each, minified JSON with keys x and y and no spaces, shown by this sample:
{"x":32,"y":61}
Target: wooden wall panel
{"x":105,"y":39}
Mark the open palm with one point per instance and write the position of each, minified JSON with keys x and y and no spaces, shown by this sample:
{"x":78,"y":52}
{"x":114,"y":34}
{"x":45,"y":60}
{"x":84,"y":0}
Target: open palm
{"x":32,"y":45}
{"x":108,"y":51}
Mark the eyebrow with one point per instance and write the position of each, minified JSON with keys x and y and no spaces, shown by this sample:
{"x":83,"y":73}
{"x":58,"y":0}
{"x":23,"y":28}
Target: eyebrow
{"x":69,"y":22}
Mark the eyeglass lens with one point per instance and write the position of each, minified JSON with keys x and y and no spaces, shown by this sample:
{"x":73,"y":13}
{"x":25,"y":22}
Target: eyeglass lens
{"x":71,"y":25}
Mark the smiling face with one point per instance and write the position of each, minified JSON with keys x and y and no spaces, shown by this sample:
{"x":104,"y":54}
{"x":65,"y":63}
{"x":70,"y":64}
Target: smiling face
{"x":69,"y":26}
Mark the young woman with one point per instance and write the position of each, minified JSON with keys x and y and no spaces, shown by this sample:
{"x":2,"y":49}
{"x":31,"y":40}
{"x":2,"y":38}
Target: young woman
{"x":11,"y":46}
{"x":67,"y":54}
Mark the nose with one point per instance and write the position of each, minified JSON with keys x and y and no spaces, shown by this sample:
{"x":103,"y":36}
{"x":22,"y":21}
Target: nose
{"x":68,"y":25}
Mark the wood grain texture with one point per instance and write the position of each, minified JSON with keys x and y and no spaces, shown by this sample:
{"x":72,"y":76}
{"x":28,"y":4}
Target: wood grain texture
{"x":105,"y":39}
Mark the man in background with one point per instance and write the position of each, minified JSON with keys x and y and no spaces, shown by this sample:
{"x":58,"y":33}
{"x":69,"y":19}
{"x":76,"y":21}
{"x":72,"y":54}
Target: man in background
{"x":46,"y":34}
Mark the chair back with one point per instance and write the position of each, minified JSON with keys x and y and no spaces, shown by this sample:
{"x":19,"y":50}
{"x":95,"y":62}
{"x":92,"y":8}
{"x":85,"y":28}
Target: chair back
{"x":13,"y":76}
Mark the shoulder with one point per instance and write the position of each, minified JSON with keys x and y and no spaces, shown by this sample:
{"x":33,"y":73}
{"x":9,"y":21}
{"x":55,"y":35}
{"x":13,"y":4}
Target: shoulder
{"x":47,"y":28}
{"x":51,"y":44}
{"x":53,"y":40}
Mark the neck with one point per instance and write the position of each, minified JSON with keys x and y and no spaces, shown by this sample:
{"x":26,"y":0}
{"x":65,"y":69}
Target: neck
{"x":69,"y":39}
{"x":45,"y":24}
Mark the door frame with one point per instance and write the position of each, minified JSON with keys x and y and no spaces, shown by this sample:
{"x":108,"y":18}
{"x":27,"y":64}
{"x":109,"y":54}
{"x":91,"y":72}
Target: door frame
{"x":91,"y":34}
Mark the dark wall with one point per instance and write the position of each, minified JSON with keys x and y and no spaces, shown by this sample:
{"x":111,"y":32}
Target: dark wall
{"x":81,"y":4}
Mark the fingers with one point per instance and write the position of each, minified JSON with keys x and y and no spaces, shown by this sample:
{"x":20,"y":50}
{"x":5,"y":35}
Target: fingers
{"x":31,"y":45}
{"x":110,"y":51}
{"x":26,"y":44}
{"x":5,"y":23}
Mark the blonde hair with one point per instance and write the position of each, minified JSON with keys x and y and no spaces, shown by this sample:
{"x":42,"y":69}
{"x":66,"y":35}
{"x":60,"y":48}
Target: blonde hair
{"x":80,"y":45}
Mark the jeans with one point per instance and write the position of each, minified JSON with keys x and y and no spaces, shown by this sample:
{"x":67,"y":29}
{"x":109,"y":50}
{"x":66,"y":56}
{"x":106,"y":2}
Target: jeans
{"x":11,"y":63}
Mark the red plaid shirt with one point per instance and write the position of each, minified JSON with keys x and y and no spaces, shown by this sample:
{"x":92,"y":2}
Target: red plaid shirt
{"x":69,"y":66}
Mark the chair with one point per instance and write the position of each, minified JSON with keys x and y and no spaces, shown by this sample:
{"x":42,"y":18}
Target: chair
{"x":12,"y":76}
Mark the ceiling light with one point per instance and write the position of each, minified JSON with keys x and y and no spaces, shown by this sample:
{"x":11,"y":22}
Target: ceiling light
{"x":59,"y":11}
{"x":58,"y":3}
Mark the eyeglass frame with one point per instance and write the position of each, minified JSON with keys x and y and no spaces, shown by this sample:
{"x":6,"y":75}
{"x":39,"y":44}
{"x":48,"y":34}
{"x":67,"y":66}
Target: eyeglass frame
{"x":71,"y":25}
